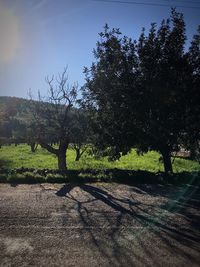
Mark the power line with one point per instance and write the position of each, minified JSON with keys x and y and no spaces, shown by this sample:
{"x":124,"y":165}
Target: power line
{"x":144,"y":4}
{"x":183,"y":1}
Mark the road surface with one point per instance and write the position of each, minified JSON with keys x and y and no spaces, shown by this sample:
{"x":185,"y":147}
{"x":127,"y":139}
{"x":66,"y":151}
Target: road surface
{"x":99,"y":225}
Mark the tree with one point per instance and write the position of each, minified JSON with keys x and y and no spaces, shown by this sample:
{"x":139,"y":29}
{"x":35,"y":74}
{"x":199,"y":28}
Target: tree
{"x":81,"y":132}
{"x":164,"y":83}
{"x":108,"y":92}
{"x":51,"y":117}
{"x":138,"y":89}
{"x":192,"y":136}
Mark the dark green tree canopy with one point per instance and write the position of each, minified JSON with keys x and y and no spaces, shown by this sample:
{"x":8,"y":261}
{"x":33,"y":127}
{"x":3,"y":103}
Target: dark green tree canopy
{"x":140,"y":89}
{"x":192,"y":136}
{"x":108,"y":89}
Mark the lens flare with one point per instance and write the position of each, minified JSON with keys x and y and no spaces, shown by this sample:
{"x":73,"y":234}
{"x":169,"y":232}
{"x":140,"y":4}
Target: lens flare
{"x":9,"y":35}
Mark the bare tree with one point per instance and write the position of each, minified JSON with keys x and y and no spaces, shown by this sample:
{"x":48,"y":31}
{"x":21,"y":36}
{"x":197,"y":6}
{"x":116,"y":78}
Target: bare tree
{"x":51,"y":116}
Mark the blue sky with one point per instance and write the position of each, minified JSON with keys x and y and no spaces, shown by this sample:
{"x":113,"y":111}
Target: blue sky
{"x":40,"y":37}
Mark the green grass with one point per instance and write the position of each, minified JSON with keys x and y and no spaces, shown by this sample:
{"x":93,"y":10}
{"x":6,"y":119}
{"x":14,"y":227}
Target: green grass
{"x":21,"y":156}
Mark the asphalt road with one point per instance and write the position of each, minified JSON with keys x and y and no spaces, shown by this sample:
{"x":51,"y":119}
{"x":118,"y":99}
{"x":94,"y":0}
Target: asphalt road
{"x":99,"y":225}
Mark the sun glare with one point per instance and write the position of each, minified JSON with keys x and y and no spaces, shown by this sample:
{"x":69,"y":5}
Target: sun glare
{"x":9,"y":35}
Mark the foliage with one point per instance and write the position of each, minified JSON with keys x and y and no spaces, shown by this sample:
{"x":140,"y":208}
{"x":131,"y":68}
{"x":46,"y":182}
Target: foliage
{"x":108,"y":91}
{"x":164,"y":72}
{"x":140,"y":91}
{"x":81,"y":132}
{"x":192,"y":137}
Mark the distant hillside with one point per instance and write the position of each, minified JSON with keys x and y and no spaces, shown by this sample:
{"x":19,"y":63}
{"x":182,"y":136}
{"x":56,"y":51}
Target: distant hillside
{"x":14,"y":114}
{"x":10,"y":106}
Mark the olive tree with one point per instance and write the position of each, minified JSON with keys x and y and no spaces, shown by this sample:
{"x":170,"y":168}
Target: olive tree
{"x":51,"y":118}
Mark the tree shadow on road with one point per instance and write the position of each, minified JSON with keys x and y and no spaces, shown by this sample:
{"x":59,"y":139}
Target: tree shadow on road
{"x":63,"y":191}
{"x":130,"y":231}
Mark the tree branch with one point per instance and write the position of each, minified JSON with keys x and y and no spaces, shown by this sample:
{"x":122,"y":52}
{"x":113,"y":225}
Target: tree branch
{"x":48,"y":147}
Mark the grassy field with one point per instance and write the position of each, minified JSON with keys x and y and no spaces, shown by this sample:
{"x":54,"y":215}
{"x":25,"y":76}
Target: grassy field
{"x":21,"y":156}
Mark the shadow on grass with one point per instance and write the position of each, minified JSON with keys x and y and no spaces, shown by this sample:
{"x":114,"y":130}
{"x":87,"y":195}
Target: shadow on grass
{"x":130,"y":177}
{"x":5,"y":163}
{"x":155,"y":222}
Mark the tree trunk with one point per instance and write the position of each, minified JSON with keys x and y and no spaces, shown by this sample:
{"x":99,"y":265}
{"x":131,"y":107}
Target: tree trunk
{"x":33,"y":147}
{"x":167,"y":162}
{"x":194,"y":151}
{"x":60,"y":152}
{"x":78,"y":154}
{"x":62,"y":165}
